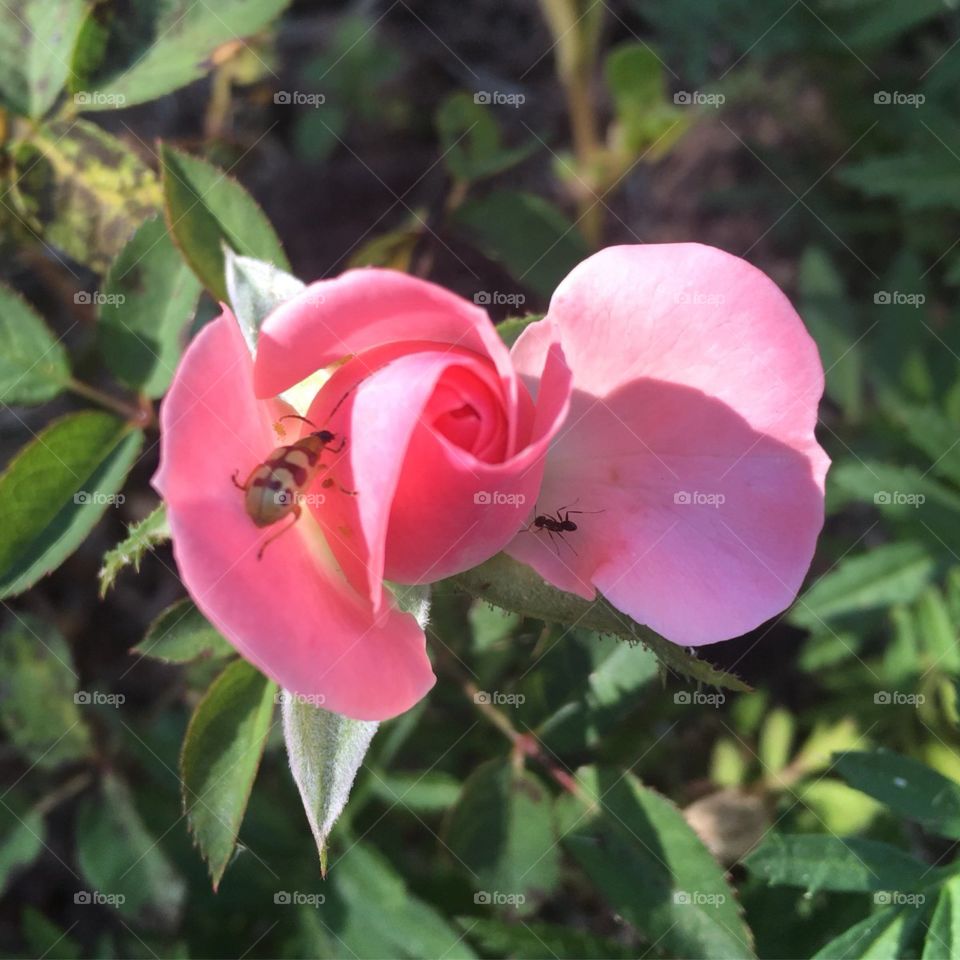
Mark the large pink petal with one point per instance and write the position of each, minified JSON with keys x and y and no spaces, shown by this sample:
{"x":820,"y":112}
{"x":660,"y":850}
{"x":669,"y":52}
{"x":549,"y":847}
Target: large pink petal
{"x":694,"y":380}
{"x":366,"y":308}
{"x":291,"y":614}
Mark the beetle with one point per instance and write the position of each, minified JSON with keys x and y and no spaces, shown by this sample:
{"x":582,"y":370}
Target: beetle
{"x":274,"y":488}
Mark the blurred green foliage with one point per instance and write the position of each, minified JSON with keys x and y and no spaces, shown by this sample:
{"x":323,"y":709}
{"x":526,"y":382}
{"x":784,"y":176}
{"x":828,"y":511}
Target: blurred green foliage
{"x":561,"y":796}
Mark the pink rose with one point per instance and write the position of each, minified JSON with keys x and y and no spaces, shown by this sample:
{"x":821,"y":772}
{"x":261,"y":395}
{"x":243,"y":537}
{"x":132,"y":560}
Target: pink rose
{"x":688,"y":450}
{"x":442,"y":443}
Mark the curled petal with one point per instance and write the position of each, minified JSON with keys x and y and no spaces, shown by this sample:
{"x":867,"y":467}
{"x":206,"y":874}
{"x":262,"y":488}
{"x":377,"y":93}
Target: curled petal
{"x":367,"y":308}
{"x":425,"y":437}
{"x":291,"y":614}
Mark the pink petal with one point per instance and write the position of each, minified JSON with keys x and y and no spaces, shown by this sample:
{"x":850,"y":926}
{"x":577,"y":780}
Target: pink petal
{"x":693,"y":376}
{"x":417,"y":516}
{"x":291,"y":614}
{"x":367,"y":308}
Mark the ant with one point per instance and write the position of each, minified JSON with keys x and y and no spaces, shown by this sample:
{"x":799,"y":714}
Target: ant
{"x":558,"y":523}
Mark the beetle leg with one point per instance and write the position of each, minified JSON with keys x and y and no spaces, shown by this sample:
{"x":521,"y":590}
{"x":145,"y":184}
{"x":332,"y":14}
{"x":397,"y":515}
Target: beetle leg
{"x":330,"y":482}
{"x":246,"y":483}
{"x":296,"y":516}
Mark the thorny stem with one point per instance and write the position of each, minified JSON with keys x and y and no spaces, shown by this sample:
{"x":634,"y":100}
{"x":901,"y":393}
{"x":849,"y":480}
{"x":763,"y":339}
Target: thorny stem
{"x":524,"y":744}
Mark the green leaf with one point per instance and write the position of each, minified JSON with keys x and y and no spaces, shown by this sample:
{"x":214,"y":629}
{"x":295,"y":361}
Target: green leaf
{"x":883,"y":936}
{"x":932,"y":432}
{"x":917,"y":180}
{"x":325,"y":751}
{"x":427,"y":792}
{"x":943,"y":934}
{"x":79,"y":189}
{"x":938,"y":631}
{"x":120,"y":858}
{"x":205,"y":210}
{"x":644,"y":115}
{"x":45,"y":939}
{"x":21,"y":839}
{"x":511,"y":328}
{"x":470,"y":139}
{"x":56,"y":488}
{"x":141,"y":537}
{"x":532,"y":239}
{"x":501,"y":829}
{"x":36,"y":41}
{"x":820,"y":862}
{"x":256,"y":289}
{"x":33,"y":366}
{"x":149,"y":298}
{"x":534,"y":941}
{"x":776,"y":740}
{"x":182,"y":634}
{"x":38,"y":683}
{"x":888,"y":574}
{"x":401,"y":926}
{"x":831,"y":320}
{"x":511,"y":585}
{"x":651,"y":867}
{"x":906,"y":786}
{"x":136,"y":52}
{"x":221,"y":755}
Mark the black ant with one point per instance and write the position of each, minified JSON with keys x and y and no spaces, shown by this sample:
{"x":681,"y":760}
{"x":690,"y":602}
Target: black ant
{"x":558,"y":523}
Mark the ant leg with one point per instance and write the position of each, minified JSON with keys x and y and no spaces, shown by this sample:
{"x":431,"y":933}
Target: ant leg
{"x":296,"y":516}
{"x":556,"y":549}
{"x":343,"y":443}
{"x":568,"y":543}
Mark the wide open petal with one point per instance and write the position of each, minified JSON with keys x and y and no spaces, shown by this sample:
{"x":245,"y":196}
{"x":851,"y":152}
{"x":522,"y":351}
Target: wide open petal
{"x":366,"y":308}
{"x":688,"y":314}
{"x":291,"y":614}
{"x":694,"y":379}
